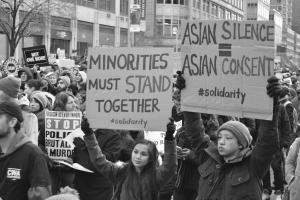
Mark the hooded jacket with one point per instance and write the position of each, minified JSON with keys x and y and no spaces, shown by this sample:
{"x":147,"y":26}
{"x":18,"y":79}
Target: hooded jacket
{"x":238,"y":179}
{"x":23,"y":171}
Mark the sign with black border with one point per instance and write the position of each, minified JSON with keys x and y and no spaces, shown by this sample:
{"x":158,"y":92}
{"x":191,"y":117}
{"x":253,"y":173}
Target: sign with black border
{"x":35,"y":56}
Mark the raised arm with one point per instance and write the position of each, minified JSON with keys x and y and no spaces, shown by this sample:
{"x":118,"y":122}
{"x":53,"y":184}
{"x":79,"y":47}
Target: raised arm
{"x":291,"y":161}
{"x":105,"y":167}
{"x":169,"y":166}
{"x":268,"y":139}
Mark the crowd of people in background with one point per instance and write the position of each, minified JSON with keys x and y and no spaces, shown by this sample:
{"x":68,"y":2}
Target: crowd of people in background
{"x":211,"y":157}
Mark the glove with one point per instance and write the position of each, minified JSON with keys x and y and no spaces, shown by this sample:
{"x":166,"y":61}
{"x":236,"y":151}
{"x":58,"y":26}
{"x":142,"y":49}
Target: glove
{"x":170,"y":130}
{"x":180,"y":81}
{"x":78,"y":142}
{"x":85,"y":127}
{"x":274,"y":88}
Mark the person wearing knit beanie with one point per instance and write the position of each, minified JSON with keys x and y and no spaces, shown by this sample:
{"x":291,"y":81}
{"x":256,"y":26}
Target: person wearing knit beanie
{"x":52,"y":77}
{"x":81,"y":77}
{"x":63,"y":83}
{"x":234,"y":141}
{"x":41,"y":98}
{"x":10,"y":86}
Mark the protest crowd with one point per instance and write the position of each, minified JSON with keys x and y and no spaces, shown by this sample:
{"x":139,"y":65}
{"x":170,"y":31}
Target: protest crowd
{"x":53,"y":148}
{"x":216,"y":157}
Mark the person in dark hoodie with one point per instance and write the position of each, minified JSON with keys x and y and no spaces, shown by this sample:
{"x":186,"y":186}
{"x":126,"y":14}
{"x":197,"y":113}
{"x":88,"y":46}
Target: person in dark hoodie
{"x":23,"y":169}
{"x":233,"y":169}
{"x":96,"y":186}
{"x":25,"y":74}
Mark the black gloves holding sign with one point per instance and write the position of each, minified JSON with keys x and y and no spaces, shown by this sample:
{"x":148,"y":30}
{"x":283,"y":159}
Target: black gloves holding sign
{"x":85,"y":127}
{"x":170,"y":130}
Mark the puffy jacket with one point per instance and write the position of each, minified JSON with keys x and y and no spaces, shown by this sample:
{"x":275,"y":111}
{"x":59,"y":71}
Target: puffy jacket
{"x":239,"y":180}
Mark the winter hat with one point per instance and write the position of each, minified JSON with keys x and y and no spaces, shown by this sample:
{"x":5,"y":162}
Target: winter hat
{"x":41,"y":98}
{"x":51,"y":74}
{"x":23,"y":101}
{"x":66,"y":80}
{"x":12,"y":109}
{"x":83,"y":76}
{"x":239,"y":130}
{"x":63,"y":197}
{"x":10,"y":86}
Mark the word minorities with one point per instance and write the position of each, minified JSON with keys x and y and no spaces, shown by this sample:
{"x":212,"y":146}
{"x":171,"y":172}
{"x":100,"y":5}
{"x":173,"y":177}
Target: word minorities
{"x":201,"y":65}
{"x":207,"y":34}
{"x":129,"y":62}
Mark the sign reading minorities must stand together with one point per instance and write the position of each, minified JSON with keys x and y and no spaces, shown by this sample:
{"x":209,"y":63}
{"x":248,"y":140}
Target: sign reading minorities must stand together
{"x":59,"y":124}
{"x":129,"y":88}
{"x":226,"y":65}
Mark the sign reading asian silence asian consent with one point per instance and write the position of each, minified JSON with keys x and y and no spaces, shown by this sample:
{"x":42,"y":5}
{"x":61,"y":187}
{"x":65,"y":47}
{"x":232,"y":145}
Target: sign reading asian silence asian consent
{"x":129,"y":88}
{"x":226,"y":65}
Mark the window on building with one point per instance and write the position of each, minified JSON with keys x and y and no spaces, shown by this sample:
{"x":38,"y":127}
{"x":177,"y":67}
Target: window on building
{"x":108,"y":5}
{"x":168,"y":1}
{"x":160,"y":1}
{"x":278,"y":1}
{"x":159,"y":26}
{"x":124,"y":7}
{"x":175,"y":1}
{"x":167,"y":27}
{"x":182,"y":2}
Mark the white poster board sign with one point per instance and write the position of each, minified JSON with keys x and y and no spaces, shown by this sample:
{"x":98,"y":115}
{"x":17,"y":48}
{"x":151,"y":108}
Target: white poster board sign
{"x":226,"y":65}
{"x":129,"y":88}
{"x":59,"y":125}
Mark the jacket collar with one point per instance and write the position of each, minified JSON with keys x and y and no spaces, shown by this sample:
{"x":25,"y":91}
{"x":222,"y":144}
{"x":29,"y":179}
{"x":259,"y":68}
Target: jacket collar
{"x":18,"y":141}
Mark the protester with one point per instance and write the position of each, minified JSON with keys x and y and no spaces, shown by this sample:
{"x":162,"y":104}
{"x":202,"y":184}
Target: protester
{"x":140,"y":178}
{"x":63,"y":83}
{"x":23,"y":169}
{"x":61,"y":175}
{"x":292,"y":167}
{"x":96,"y":186}
{"x":31,"y":86}
{"x":25,"y":74}
{"x":233,"y":169}
{"x":52,"y":77}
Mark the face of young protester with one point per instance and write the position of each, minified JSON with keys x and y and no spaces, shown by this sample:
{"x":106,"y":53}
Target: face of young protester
{"x":140,"y":156}
{"x":228,"y":146}
{"x":53,"y":79}
{"x":34,"y":105}
{"x":61,"y":85}
{"x":5,"y":125}
{"x":23,"y":77}
{"x":28,"y":90}
{"x":70,"y":105}
{"x":78,"y":78}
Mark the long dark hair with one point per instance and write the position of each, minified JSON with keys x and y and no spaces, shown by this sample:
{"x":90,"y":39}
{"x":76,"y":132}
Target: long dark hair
{"x":133,"y":186}
{"x":61,"y":100}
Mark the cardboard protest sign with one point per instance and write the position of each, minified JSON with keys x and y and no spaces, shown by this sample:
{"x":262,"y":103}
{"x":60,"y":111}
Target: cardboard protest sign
{"x":11,"y":67}
{"x":35,"y":56}
{"x":59,"y":125}
{"x":157,"y":137}
{"x":226,"y":65}
{"x":129,"y":88}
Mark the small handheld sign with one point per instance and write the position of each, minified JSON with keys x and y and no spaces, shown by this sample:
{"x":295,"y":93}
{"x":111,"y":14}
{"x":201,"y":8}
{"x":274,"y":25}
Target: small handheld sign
{"x":35,"y":56}
{"x":11,"y":67}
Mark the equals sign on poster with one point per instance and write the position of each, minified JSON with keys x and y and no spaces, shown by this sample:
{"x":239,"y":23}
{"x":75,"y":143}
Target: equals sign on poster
{"x":225,"y":50}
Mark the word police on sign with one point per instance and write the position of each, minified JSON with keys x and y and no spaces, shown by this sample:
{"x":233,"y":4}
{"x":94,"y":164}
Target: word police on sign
{"x":11,"y":66}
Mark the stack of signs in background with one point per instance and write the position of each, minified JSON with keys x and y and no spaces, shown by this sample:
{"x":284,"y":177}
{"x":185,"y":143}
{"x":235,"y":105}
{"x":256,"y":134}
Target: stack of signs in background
{"x":129,"y":88}
{"x":226,"y":65}
{"x":59,"y":124}
{"x":10,"y":67}
{"x":35,"y":56}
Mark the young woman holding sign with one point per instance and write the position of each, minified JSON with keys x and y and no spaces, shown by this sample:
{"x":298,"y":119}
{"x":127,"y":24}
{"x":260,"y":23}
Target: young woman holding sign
{"x":141,"y":178}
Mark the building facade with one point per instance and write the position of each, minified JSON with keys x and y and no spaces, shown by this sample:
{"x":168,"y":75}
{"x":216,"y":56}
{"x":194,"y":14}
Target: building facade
{"x":258,"y":10}
{"x":77,"y":26}
{"x":285,"y":7}
{"x":296,"y":16}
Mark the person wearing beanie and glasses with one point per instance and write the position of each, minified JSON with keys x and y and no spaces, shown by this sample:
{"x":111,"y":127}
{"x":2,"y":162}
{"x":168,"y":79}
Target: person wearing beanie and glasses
{"x":232,"y":169}
{"x":23,"y":169}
